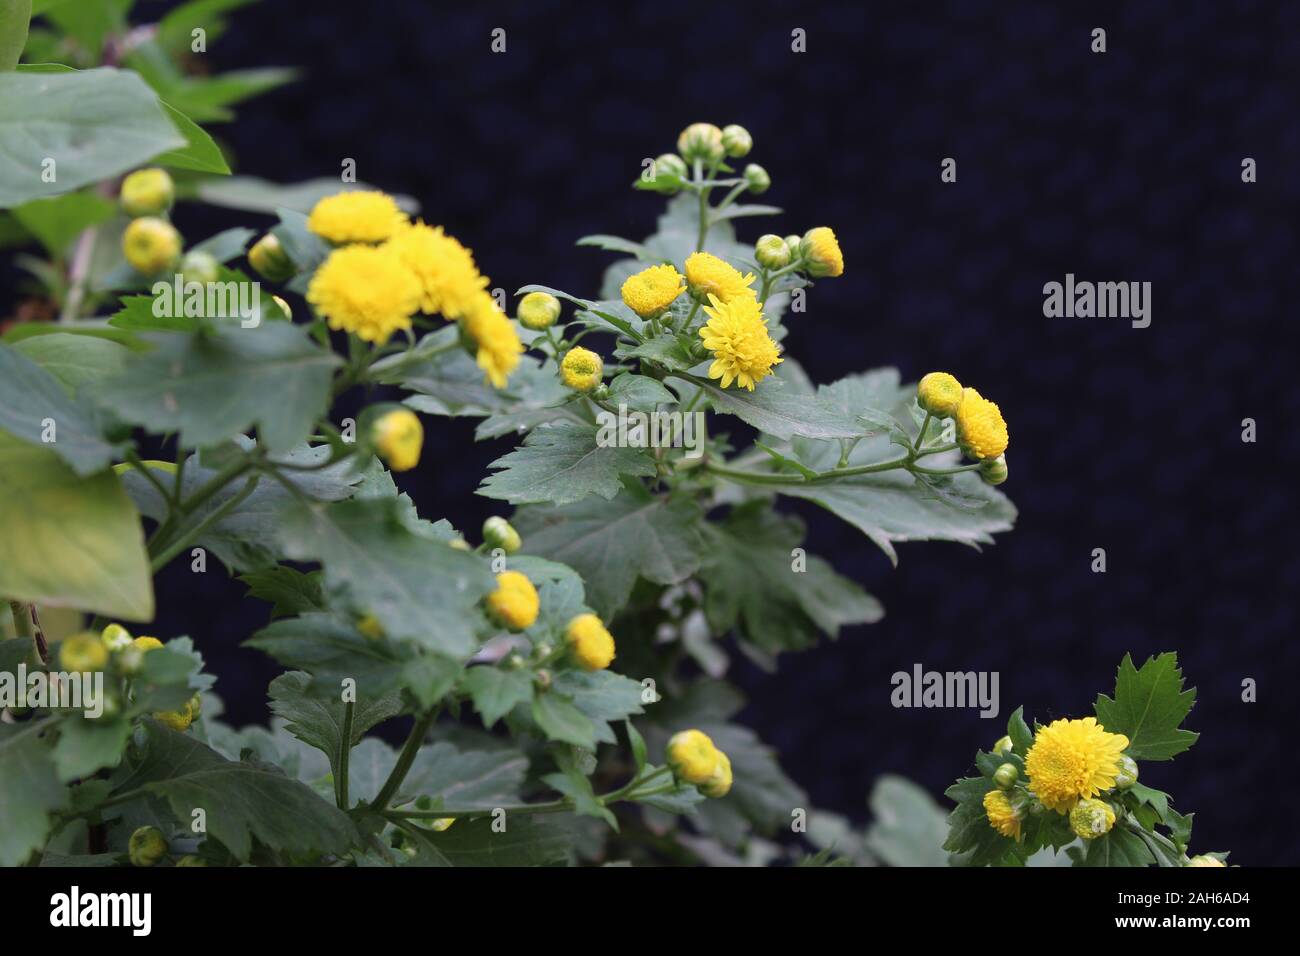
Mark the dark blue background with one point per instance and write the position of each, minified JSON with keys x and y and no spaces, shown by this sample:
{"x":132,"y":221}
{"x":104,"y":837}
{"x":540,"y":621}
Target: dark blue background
{"x":1120,"y":166}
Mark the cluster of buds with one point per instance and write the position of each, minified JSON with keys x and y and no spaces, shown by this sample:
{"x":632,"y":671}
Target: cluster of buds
{"x":694,"y":759}
{"x":708,"y":147}
{"x":116,"y":652}
{"x":816,"y":253}
{"x":981,"y":431}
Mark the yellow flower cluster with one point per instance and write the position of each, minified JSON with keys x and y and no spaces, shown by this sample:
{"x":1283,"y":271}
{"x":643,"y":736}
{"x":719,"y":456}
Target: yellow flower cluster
{"x":514,"y":604}
{"x":591,"y":645}
{"x":1002,"y":815}
{"x":1073,"y":760}
{"x":736,"y":334}
{"x":694,"y":759}
{"x":87,"y":649}
{"x":387,"y":268}
{"x":981,"y":430}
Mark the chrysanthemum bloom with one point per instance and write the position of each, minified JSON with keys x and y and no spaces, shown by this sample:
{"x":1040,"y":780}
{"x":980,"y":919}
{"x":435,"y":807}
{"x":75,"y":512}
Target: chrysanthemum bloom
{"x":701,"y":141}
{"x":1072,"y":760}
{"x":581,"y":369}
{"x":496,"y":340}
{"x":151,"y":245}
{"x":147,"y":192}
{"x":591,"y":645}
{"x":1091,"y":818}
{"x":652,"y":290}
{"x":821,"y":251}
{"x":736,"y":334}
{"x":356,"y":216}
{"x":692,"y":756}
{"x":981,"y":431}
{"x":1205,"y":860}
{"x":398,"y":437}
{"x":450,"y":282}
{"x":514,"y":604}
{"x":366,"y":291}
{"x":1002,"y":816}
{"x":82,"y":653}
{"x":538,"y":311}
{"x":707,"y":275}
{"x":719,"y":782}
{"x":939,"y":394}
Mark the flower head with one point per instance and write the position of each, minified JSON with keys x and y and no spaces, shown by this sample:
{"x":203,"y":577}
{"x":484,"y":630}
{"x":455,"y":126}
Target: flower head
{"x":591,"y":645}
{"x":538,"y":311}
{"x":83,"y":653}
{"x":366,"y":291}
{"x":939,"y":394}
{"x":701,"y":141}
{"x":1002,"y":815}
{"x":398,"y":437}
{"x":981,"y":430}
{"x":1091,"y":818}
{"x":494,"y":337}
{"x":737,"y":335}
{"x":581,"y":369}
{"x":356,"y":216}
{"x":514,"y":604}
{"x":652,"y":290}
{"x":692,"y":756}
{"x":736,"y":140}
{"x":147,"y":192}
{"x":450,"y":282}
{"x":1072,"y":760}
{"x":821,"y":251}
{"x":708,"y":275}
{"x":151,"y":245}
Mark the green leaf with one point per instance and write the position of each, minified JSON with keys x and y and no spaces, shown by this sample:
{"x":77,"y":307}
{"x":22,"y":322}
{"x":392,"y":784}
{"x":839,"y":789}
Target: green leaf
{"x":242,"y":801}
{"x":57,"y":221}
{"x":563,"y":464}
{"x":614,"y":244}
{"x":75,"y":360}
{"x":251,"y":194}
{"x":319,"y":721}
{"x":86,"y":746}
{"x":419,"y":588}
{"x":637,"y":743}
{"x":29,"y":792}
{"x":1022,"y":738}
{"x":524,"y":842}
{"x":496,"y":692}
{"x":214,"y":386}
{"x":94,"y":124}
{"x":288,"y":590}
{"x":1149,"y":707}
{"x":638,"y":392}
{"x":560,"y":720}
{"x":575,"y":785}
{"x":780,"y":411}
{"x":908,"y":828}
{"x":35,"y":407}
{"x":459,"y":780}
{"x":227,"y":244}
{"x":199,"y":153}
{"x":969,"y":832}
{"x":612,"y":543}
{"x":1119,"y":847}
{"x":603,"y":696}
{"x":69,"y":541}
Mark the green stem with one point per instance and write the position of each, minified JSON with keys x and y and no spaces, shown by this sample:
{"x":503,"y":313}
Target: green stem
{"x":943,"y":471}
{"x":690,"y":317}
{"x":134,"y":461}
{"x":771,"y":277}
{"x":920,"y":438}
{"x":25,"y":626}
{"x":704,"y":207}
{"x":345,"y":750}
{"x":404,"y":760}
{"x":185,"y":538}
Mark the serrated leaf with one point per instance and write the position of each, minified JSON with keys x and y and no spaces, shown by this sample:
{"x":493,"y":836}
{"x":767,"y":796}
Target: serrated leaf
{"x":560,"y":720}
{"x":1022,"y":738}
{"x":603,"y":696}
{"x":908,"y":828}
{"x":1119,"y":847}
{"x":1149,"y":707}
{"x":563,"y":464}
{"x":780,"y":411}
{"x":288,"y":590}
{"x":29,"y":792}
{"x":638,"y":392}
{"x":75,"y":360}
{"x":496,"y":692}
{"x":524,"y":842}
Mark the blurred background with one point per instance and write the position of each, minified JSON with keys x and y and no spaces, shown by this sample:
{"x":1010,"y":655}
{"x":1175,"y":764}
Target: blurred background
{"x":1116,"y":167}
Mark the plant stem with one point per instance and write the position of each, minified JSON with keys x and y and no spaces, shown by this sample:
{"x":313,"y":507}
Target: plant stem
{"x":345,"y":751}
{"x":174,"y":548}
{"x":404,"y":760}
{"x":25,"y":625}
{"x":704,"y":207}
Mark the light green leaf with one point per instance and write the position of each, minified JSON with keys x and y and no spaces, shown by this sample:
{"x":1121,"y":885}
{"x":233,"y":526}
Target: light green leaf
{"x":86,"y":746}
{"x":57,"y":221}
{"x":458,"y":780}
{"x":577,"y":787}
{"x":638,"y":392}
{"x":75,"y":360}
{"x":908,"y":828}
{"x":603,"y":696}
{"x":496,"y":692}
{"x":251,"y":194}
{"x":1149,"y":707}
{"x":560,"y":720}
{"x":199,"y":153}
{"x":227,"y":244}
{"x":69,"y":541}
{"x":563,"y":464}
{"x":780,"y":411}
{"x":29,"y":792}
{"x":614,"y":244}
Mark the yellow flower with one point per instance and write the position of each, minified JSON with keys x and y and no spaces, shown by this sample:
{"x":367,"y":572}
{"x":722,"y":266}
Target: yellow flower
{"x":980,"y":427}
{"x":449,"y":280}
{"x":1002,"y":816}
{"x":1091,"y":818}
{"x":498,"y":343}
{"x":590,"y":644}
{"x":398,"y":437}
{"x":366,"y":291}
{"x":151,"y":245}
{"x":581,"y":369}
{"x":652,"y":290}
{"x":939,"y":394}
{"x":707,"y":275}
{"x":1205,"y":860}
{"x":178,"y":720}
{"x":692,"y":756}
{"x":146,"y":192}
{"x":538,"y":311}
{"x":1072,"y":760}
{"x":83,"y":652}
{"x":736,"y":334}
{"x":356,"y":216}
{"x":514,"y":604}
{"x":719,"y":782}
{"x":821,"y":252}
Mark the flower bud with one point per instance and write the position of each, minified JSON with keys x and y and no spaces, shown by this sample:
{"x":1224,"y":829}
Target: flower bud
{"x":652,"y":290}
{"x":1091,"y":818}
{"x":702,"y":141}
{"x":515,"y":662}
{"x":994,"y":470}
{"x":460,"y":544}
{"x":191,"y":861}
{"x":939,"y":394}
{"x":581,"y":369}
{"x":757,"y":179}
{"x":1005,"y":776}
{"x":115,"y":637}
{"x":147,"y":846}
{"x":284,"y":307}
{"x":821,"y":251}
{"x":397,"y":437}
{"x":538,"y":311}
{"x":131,"y":658}
{"x":514,"y":604}
{"x":544,"y":679}
{"x":543,"y":650}
{"x":692,"y":756}
{"x":671,"y":164}
{"x":719,"y":782}
{"x":795,"y":244}
{"x":1003,"y":746}
{"x":147,"y":192}
{"x":1205,"y":859}
{"x":591,"y":645}
{"x":499,"y":533}
{"x":771,"y":252}
{"x":1128,"y":772}
{"x":201,"y":267}
{"x":736,"y":141}
{"x":83,"y":653}
{"x":151,"y":245}
{"x":269,"y":260}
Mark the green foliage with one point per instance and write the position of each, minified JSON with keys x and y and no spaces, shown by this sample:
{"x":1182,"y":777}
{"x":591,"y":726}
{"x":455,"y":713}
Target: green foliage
{"x":1149,"y":708}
